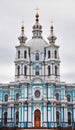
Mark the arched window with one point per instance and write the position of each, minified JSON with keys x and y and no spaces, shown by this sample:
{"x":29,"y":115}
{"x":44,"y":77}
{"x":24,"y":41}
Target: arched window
{"x":57,"y":117}
{"x":56,"y":70}
{"x":17,"y":96}
{"x":37,"y":56}
{"x":49,"y":70}
{"x":57,"y":96}
{"x":17,"y":118}
{"x":5,"y":118}
{"x":18,"y":54}
{"x":37,"y":70}
{"x":25,"y":54}
{"x":25,"y":70}
{"x":69,"y":117}
{"x":18,"y":69}
{"x":55,"y":54}
{"x":68,"y":97}
{"x":6,"y":97}
{"x":49,"y":54}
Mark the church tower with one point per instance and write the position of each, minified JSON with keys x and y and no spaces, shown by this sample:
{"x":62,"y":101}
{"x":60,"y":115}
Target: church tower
{"x":22,"y":58}
{"x":52,"y":58}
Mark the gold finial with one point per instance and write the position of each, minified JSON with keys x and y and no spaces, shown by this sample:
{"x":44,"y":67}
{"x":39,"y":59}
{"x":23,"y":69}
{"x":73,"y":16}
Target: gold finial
{"x":51,"y":27}
{"x":37,"y":15}
{"x":22,"y":26}
{"x":37,"y":10}
{"x":51,"y":22}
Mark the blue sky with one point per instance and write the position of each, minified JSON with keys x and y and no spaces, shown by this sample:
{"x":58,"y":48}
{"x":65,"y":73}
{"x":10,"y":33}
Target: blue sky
{"x":13,"y":12}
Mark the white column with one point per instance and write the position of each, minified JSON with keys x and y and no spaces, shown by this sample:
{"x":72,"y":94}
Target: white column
{"x":9,"y":114}
{"x":25,"y":94}
{"x":25,"y":114}
{"x":49,"y":89}
{"x":65,"y":115}
{"x":29,"y":115}
{"x":51,"y":69}
{"x":22,"y":112}
{"x":0,"y":113}
{"x":54,"y":112}
{"x":49,"y":115}
{"x":45,"y":114}
{"x":59,"y":69}
{"x":21,"y":69}
{"x":15,"y":69}
{"x":74,"y":112}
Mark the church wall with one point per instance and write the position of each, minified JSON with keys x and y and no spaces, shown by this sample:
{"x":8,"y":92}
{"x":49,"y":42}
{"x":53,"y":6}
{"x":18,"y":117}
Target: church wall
{"x":50,"y":117}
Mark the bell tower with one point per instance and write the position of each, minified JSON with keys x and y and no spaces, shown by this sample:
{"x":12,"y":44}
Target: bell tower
{"x":52,"y":57}
{"x":22,"y":57}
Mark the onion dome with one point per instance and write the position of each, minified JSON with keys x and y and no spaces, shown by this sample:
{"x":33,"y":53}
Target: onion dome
{"x":37,"y":28}
{"x":22,"y":38}
{"x":52,"y":37}
{"x":37,"y":43}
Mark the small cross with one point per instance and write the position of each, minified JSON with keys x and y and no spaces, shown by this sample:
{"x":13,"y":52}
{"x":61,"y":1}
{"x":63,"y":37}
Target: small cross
{"x":51,"y":22}
{"x":37,"y":9}
{"x":22,"y":23}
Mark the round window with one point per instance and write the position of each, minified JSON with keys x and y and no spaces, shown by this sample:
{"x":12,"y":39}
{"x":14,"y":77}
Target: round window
{"x":37,"y":93}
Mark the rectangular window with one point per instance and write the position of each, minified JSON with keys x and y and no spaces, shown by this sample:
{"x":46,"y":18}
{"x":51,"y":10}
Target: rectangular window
{"x":25,"y":54}
{"x":48,"y":54}
{"x":18,"y":54}
{"x":37,"y":56}
{"x":37,"y":70}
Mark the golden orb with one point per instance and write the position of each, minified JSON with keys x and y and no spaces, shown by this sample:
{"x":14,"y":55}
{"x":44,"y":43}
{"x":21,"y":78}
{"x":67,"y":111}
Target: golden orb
{"x":37,"y":15}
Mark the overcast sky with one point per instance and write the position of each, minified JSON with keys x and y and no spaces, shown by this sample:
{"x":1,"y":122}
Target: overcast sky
{"x":13,"y":12}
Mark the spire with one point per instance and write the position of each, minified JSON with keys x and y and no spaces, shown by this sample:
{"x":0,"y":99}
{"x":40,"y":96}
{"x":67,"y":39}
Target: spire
{"x":37,"y":28}
{"x":22,"y":38}
{"x":52,"y":37}
{"x":37,"y":15}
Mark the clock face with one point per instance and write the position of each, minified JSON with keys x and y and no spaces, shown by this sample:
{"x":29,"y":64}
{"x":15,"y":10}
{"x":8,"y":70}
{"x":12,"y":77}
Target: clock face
{"x":37,"y":93}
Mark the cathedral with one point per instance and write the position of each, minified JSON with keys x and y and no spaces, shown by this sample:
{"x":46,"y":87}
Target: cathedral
{"x":37,"y":97}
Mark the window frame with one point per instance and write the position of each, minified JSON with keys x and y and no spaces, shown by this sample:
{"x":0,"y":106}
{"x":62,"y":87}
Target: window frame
{"x":6,"y":98}
{"x":18,"y":70}
{"x":69,"y":119}
{"x":17,"y":117}
{"x":37,"y":70}
{"x":17,"y":96}
{"x":37,"y":56}
{"x":57,"y":96}
{"x":55,"y":54}
{"x":68,"y":97}
{"x":5,"y":117}
{"x":58,"y":118}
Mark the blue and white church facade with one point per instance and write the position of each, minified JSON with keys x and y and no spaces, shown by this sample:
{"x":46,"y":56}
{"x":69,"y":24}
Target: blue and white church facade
{"x":37,"y":97}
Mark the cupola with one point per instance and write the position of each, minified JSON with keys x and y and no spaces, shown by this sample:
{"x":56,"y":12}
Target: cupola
{"x":52,"y":37}
{"x":37,"y":28}
{"x":22,"y":38}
